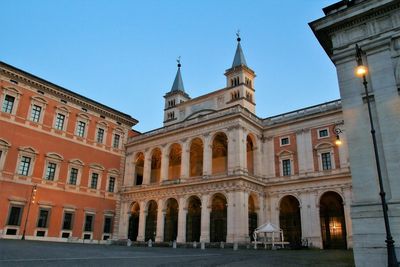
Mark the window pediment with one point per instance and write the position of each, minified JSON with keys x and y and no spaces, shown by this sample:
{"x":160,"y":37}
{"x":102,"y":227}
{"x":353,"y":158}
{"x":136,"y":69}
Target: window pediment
{"x":97,"y":166}
{"x":54,"y":156}
{"x":77,"y":162}
{"x":28,"y":149}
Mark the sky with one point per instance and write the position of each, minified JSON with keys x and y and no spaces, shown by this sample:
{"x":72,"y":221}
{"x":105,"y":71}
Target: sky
{"x":123,"y":53}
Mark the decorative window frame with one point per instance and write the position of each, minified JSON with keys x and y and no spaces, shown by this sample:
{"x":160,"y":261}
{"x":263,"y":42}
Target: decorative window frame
{"x":4,"y":147}
{"x":14,"y":203}
{"x":283,"y":155}
{"x":69,"y":231}
{"x":27,"y":152}
{"x":45,"y":229}
{"x":323,"y":137}
{"x":11,"y":91}
{"x":55,"y":158}
{"x":325,"y":147}
{"x":64,"y":111}
{"x":107,"y":214}
{"x":38,"y":101}
{"x":112,"y":173}
{"x":95,"y":168}
{"x":77,"y":164}
{"x":93,"y":213}
{"x":83,"y":118}
{"x":283,"y":137}
{"x":101,"y":125}
{"x":121,"y":134}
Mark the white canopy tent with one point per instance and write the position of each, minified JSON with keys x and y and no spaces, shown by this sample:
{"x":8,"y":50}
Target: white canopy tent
{"x":269,"y":231}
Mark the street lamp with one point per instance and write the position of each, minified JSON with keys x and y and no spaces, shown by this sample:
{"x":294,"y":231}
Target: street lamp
{"x":361,"y":71}
{"x":31,"y":200}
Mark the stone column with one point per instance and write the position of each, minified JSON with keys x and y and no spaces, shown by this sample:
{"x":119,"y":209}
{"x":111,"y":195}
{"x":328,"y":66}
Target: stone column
{"x":205,"y":219}
{"x":160,"y":221}
{"x":315,"y":230}
{"x":269,"y":157}
{"x":237,"y":217}
{"x":129,"y":171}
{"x":147,"y":167}
{"x":164,"y":163}
{"x":181,"y":237}
{"x":207,"y":155}
{"x":258,"y":158}
{"x":185,"y":159}
{"x":261,"y":212}
{"x":142,"y":221}
{"x":123,"y":221}
{"x":347,"y":214}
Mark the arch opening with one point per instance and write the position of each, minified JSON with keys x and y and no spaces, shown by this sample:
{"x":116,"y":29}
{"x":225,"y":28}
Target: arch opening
{"x":250,"y":155}
{"x":151,"y":221}
{"x":196,"y":158}
{"x":220,"y":154}
{"x":253,"y":217}
{"x":155,"y":166}
{"x":289,"y":220}
{"x":174,"y":163}
{"x":218,"y":219}
{"x":133,"y":229}
{"x":171,"y":220}
{"x":333,"y":224}
{"x":193,"y":220}
{"x":139,"y":166}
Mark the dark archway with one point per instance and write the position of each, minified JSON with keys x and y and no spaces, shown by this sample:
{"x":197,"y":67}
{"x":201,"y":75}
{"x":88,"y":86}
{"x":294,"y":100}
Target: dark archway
{"x":218,"y":219}
{"x":151,"y":221}
{"x":175,"y":158}
{"x":134,"y":222}
{"x":333,"y":224}
{"x":193,"y":220}
{"x":155,"y":166}
{"x":250,"y":155}
{"x":196,"y":158}
{"x":171,"y":220}
{"x":253,"y":217}
{"x":289,"y":219}
{"x":220,"y":154}
{"x":139,"y":166}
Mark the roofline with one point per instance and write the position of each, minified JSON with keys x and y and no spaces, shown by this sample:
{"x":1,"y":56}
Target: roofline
{"x":67,"y":91}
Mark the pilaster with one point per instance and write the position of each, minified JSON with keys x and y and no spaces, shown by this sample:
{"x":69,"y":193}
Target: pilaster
{"x":205,"y":219}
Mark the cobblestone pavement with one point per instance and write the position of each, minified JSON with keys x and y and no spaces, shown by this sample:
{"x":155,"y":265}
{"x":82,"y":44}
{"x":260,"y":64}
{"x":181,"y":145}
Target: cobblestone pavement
{"x":35,"y":253}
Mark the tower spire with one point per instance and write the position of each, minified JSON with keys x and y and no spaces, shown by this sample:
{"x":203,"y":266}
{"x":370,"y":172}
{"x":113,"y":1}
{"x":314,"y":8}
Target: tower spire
{"x":178,"y":82}
{"x":239,"y":56}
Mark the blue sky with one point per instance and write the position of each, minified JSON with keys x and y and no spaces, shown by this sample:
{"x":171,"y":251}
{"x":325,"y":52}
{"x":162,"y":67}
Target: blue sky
{"x":123,"y":53}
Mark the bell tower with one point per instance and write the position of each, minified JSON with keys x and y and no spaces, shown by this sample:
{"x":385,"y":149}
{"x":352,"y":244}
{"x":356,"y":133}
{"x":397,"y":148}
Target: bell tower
{"x":174,"y":97}
{"x":240,"y":80}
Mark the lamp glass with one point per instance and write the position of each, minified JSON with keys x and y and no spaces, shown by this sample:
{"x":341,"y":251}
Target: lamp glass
{"x":361,"y":70}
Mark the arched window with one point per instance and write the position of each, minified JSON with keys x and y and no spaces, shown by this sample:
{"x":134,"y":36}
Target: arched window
{"x":155,"y":166}
{"x":133,"y":229}
{"x":196,"y":158}
{"x":139,"y":166}
{"x":250,"y":154}
{"x":175,"y":158}
{"x":220,"y":154}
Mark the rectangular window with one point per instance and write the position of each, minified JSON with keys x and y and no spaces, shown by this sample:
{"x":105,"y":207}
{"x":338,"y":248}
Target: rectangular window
{"x":8,"y":104}
{"x":117,"y":137}
{"x":35,"y":113}
{"x":88,"y":223}
{"x":14,"y":217}
{"x":73,"y":176}
{"x":111,"y":184}
{"x":80,"y":131}
{"x":107,"y":225}
{"x":286,"y":168}
{"x":284,"y":141}
{"x":51,"y":171}
{"x":43,"y":217}
{"x":68,"y":219}
{"x":60,"y":121}
{"x":323,"y":133}
{"x":24,"y":166}
{"x":100,"y":135}
{"x":93,"y":182}
{"x":326,"y":161}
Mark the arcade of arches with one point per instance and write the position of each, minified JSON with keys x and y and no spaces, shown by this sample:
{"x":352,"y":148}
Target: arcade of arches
{"x":186,"y":219}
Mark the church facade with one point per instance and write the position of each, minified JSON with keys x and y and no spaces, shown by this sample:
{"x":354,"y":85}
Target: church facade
{"x":215,"y":171}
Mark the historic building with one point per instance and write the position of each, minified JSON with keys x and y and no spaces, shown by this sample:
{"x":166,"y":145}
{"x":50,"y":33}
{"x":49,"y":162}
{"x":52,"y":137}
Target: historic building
{"x":374,"y":25}
{"x":215,"y":171}
{"x":61,"y":161}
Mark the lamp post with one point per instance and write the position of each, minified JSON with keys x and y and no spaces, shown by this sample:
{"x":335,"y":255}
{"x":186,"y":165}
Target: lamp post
{"x":31,"y":200}
{"x":361,"y":72}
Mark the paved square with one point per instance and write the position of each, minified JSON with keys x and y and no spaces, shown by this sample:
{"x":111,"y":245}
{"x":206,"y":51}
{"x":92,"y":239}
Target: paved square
{"x":34,"y":253}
